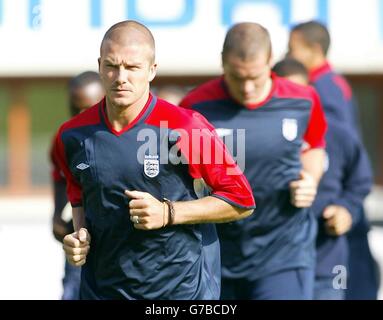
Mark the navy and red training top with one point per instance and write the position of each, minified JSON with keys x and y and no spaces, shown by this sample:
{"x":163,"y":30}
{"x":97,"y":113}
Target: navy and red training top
{"x":156,"y":153}
{"x":279,"y":236}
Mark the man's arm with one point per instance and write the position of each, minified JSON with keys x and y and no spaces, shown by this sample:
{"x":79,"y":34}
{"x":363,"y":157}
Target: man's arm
{"x":304,"y":190}
{"x":230,"y":196}
{"x":313,"y":163}
{"x":357,"y":180}
{"x":78,"y":216}
{"x":338,"y":220}
{"x":208,"y":210}
{"x":77,"y":244}
{"x":60,"y":198}
{"x":150,"y":213}
{"x":60,"y":227}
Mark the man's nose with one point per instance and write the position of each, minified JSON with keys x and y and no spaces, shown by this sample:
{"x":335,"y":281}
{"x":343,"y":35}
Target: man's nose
{"x":247,"y":86}
{"x":122,"y":75}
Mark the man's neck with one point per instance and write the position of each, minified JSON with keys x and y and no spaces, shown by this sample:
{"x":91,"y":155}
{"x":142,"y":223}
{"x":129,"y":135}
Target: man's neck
{"x":317,"y":62}
{"x":263,"y":95}
{"x":266,"y":91}
{"x":119,"y":117}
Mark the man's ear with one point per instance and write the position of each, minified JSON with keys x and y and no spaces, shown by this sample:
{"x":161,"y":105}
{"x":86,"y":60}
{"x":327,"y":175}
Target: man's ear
{"x":99,"y":64}
{"x":271,"y":60}
{"x":317,"y":49}
{"x":152,"y":71}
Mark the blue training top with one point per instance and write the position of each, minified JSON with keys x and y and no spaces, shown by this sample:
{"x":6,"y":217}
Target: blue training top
{"x":174,"y":262}
{"x":279,"y":236}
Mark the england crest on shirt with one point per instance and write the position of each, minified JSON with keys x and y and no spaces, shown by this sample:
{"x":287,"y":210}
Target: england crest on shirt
{"x":326,"y":163}
{"x":151,"y":166}
{"x":289,"y":129}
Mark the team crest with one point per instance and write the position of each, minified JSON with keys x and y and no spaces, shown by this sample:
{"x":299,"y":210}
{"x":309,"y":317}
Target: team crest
{"x":289,"y":129}
{"x":326,"y":163}
{"x":151,"y":166}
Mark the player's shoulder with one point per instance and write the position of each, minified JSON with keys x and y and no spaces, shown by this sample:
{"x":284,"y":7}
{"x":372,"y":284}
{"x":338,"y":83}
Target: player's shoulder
{"x":288,"y":89}
{"x":343,"y":136}
{"x":208,"y":91}
{"x":340,"y":130}
{"x":176,"y":117}
{"x":342,"y":85}
{"x":53,"y":141}
{"x":88,"y":117}
{"x":330,"y":80}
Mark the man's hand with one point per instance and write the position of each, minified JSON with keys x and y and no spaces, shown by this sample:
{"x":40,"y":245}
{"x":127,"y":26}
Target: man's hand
{"x":146,"y":212}
{"x":338,"y":220}
{"x":303,"y":191}
{"x":76,"y":247}
{"x":59,"y":228}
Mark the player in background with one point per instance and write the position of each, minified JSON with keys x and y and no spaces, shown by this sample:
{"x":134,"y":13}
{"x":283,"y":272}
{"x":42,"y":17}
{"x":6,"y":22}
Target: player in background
{"x":309,"y":43}
{"x":292,"y":70}
{"x":270,"y":255}
{"x":85,"y":90}
{"x":171,"y":93}
{"x":345,"y":184}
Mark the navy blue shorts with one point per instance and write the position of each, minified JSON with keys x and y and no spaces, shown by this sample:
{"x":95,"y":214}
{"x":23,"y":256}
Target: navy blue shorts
{"x":292,"y":284}
{"x":324,"y":289}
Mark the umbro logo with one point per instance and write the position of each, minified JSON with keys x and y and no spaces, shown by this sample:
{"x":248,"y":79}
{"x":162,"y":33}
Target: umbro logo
{"x":82,"y":166}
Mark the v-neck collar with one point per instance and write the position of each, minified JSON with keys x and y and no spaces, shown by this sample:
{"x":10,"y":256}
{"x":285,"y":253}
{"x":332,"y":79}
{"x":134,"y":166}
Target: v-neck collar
{"x":141,"y":116}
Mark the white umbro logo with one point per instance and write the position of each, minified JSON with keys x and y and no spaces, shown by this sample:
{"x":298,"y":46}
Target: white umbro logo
{"x":82,"y":166}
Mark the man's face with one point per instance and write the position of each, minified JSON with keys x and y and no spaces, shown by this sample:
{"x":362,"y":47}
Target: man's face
{"x":246,"y":79}
{"x":300,"y":50}
{"x":126,"y":71}
{"x":85,"y":97}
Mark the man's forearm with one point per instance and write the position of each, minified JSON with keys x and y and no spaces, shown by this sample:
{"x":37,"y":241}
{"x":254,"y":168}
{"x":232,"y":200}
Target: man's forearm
{"x":313,"y":163}
{"x":60,"y":198}
{"x":78,"y":216}
{"x":207,"y":210}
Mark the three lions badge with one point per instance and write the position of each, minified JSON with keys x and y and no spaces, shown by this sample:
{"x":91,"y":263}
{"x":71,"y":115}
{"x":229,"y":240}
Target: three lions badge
{"x":151,"y":166}
{"x":289,"y":129}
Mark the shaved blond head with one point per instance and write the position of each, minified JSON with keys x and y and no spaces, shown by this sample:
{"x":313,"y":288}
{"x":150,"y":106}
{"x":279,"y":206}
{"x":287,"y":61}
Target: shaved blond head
{"x":130,"y":32}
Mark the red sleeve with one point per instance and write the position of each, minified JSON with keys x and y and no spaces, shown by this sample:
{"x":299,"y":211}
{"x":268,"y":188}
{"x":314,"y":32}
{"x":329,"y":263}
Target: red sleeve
{"x":56,"y":173}
{"x":186,"y":102}
{"x":209,"y":159}
{"x":317,"y":126}
{"x":74,"y":191}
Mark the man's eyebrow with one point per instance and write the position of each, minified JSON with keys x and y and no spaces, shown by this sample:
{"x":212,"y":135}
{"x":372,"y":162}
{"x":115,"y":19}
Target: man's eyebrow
{"x":107,"y":60}
{"x":133,"y":63}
